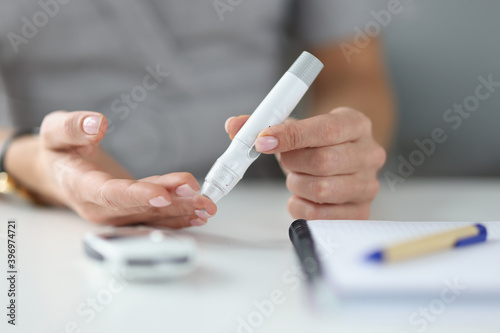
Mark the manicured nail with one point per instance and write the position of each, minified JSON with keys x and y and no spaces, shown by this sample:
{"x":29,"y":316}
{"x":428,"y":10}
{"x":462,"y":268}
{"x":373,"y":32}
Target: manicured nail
{"x":226,"y":124}
{"x":91,"y":124}
{"x":197,"y":223}
{"x":201,"y":213}
{"x":185,"y":191}
{"x":159,"y":202}
{"x":265,"y":143}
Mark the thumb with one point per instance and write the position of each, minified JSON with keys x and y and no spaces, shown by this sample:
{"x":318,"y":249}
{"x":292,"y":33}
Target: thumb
{"x":66,"y":130}
{"x":234,"y":124}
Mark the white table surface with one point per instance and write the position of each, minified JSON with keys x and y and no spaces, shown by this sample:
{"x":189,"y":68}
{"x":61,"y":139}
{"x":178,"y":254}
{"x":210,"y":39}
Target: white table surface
{"x":245,"y":256}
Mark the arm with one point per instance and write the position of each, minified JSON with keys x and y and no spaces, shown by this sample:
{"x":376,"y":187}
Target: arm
{"x":65,"y":165}
{"x":361,"y":84}
{"x":21,"y":159}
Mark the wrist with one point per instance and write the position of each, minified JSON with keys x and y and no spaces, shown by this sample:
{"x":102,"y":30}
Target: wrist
{"x":20,"y":166}
{"x":10,"y":178}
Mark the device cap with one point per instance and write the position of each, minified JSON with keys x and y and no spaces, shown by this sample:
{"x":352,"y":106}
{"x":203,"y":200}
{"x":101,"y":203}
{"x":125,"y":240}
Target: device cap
{"x":306,"y":68}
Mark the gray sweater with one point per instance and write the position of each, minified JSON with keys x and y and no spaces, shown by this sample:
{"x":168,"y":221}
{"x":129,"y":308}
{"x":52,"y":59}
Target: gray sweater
{"x":166,"y":74}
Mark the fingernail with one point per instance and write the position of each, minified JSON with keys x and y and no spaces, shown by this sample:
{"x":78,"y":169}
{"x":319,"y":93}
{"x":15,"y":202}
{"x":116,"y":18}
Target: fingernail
{"x":159,"y":202}
{"x":226,"y":124}
{"x":265,"y":143}
{"x":197,"y":223}
{"x":201,"y":213}
{"x":91,"y":124}
{"x":185,"y":191}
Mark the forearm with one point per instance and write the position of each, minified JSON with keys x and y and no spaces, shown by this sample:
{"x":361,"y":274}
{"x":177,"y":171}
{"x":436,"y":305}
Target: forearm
{"x":362,"y":84}
{"x":21,"y":161}
{"x":22,"y":164}
{"x":370,"y":97}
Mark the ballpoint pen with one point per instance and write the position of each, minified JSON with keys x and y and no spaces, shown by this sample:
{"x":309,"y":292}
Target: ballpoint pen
{"x":464,"y":236}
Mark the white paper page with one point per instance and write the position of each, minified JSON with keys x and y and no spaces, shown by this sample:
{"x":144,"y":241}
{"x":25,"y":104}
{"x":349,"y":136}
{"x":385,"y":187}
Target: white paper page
{"x":343,"y":246}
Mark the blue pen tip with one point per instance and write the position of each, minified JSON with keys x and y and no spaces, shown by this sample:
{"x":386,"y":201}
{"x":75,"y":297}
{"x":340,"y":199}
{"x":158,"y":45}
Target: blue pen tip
{"x":375,"y":256}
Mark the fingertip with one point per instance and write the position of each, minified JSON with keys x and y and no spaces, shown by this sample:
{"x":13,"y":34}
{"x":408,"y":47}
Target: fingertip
{"x":211,"y":208}
{"x":266,"y":144}
{"x":197,"y":222}
{"x":182,"y":178}
{"x":91,"y":124}
{"x":185,"y":191}
{"x":149,"y":194}
{"x":104,"y":125}
{"x":226,"y":124}
{"x":193,"y":183}
{"x":203,"y":203}
{"x":234,"y":124}
{"x":202,"y":214}
{"x":67,"y":130}
{"x":94,"y":126}
{"x":159,"y":202}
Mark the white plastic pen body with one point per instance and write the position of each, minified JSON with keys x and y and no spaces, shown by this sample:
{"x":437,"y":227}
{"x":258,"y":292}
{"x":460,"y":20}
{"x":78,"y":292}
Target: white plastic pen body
{"x":273,"y":110}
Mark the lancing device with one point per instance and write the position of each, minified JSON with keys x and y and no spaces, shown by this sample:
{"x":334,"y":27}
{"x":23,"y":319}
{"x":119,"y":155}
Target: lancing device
{"x":273,"y":110}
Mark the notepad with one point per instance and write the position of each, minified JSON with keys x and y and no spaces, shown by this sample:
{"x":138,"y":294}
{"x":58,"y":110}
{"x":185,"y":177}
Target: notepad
{"x":341,"y":248}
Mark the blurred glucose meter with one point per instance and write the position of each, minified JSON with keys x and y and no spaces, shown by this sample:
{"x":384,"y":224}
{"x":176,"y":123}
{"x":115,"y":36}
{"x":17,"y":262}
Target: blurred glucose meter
{"x":142,"y":253}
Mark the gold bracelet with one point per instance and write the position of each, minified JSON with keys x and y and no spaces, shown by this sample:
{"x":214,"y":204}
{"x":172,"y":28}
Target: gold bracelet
{"x":9,"y":186}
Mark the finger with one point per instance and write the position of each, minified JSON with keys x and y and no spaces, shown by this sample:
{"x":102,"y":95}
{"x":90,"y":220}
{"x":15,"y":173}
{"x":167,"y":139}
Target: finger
{"x":122,"y":201}
{"x":303,"y":209}
{"x":204,"y":209}
{"x":78,"y":178}
{"x":125,"y":193}
{"x":174,"y":222}
{"x":202,"y":203}
{"x":183,"y":207}
{"x":182,"y":182}
{"x":196,"y":207}
{"x":65,"y":130}
{"x":184,"y":212}
{"x":339,"y":126}
{"x":178,"y":222}
{"x":234,"y":124}
{"x":346,"y":158}
{"x":185,"y":185}
{"x":335,"y":189}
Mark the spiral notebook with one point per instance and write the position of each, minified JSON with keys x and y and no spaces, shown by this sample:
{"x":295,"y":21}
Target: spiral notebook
{"x":335,"y":253}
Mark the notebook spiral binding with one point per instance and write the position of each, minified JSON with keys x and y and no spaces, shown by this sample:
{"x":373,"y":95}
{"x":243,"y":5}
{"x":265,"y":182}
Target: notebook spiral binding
{"x":302,"y":241}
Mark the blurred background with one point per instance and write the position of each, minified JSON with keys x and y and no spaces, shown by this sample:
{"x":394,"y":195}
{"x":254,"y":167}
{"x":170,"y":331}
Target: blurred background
{"x":436,"y":51}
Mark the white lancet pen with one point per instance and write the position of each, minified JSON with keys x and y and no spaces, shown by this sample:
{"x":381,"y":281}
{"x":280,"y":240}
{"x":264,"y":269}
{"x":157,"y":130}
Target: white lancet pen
{"x":273,"y":110}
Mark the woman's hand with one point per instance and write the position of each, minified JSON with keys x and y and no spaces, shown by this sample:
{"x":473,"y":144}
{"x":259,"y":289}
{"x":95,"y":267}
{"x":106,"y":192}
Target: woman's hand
{"x":68,"y":167}
{"x":331,"y":162}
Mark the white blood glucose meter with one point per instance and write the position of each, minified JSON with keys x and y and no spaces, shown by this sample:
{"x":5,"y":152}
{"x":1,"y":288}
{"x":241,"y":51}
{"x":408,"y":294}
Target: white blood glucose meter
{"x":142,"y":253}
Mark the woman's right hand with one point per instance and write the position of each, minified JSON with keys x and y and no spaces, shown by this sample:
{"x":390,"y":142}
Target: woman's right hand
{"x":66,"y":165}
